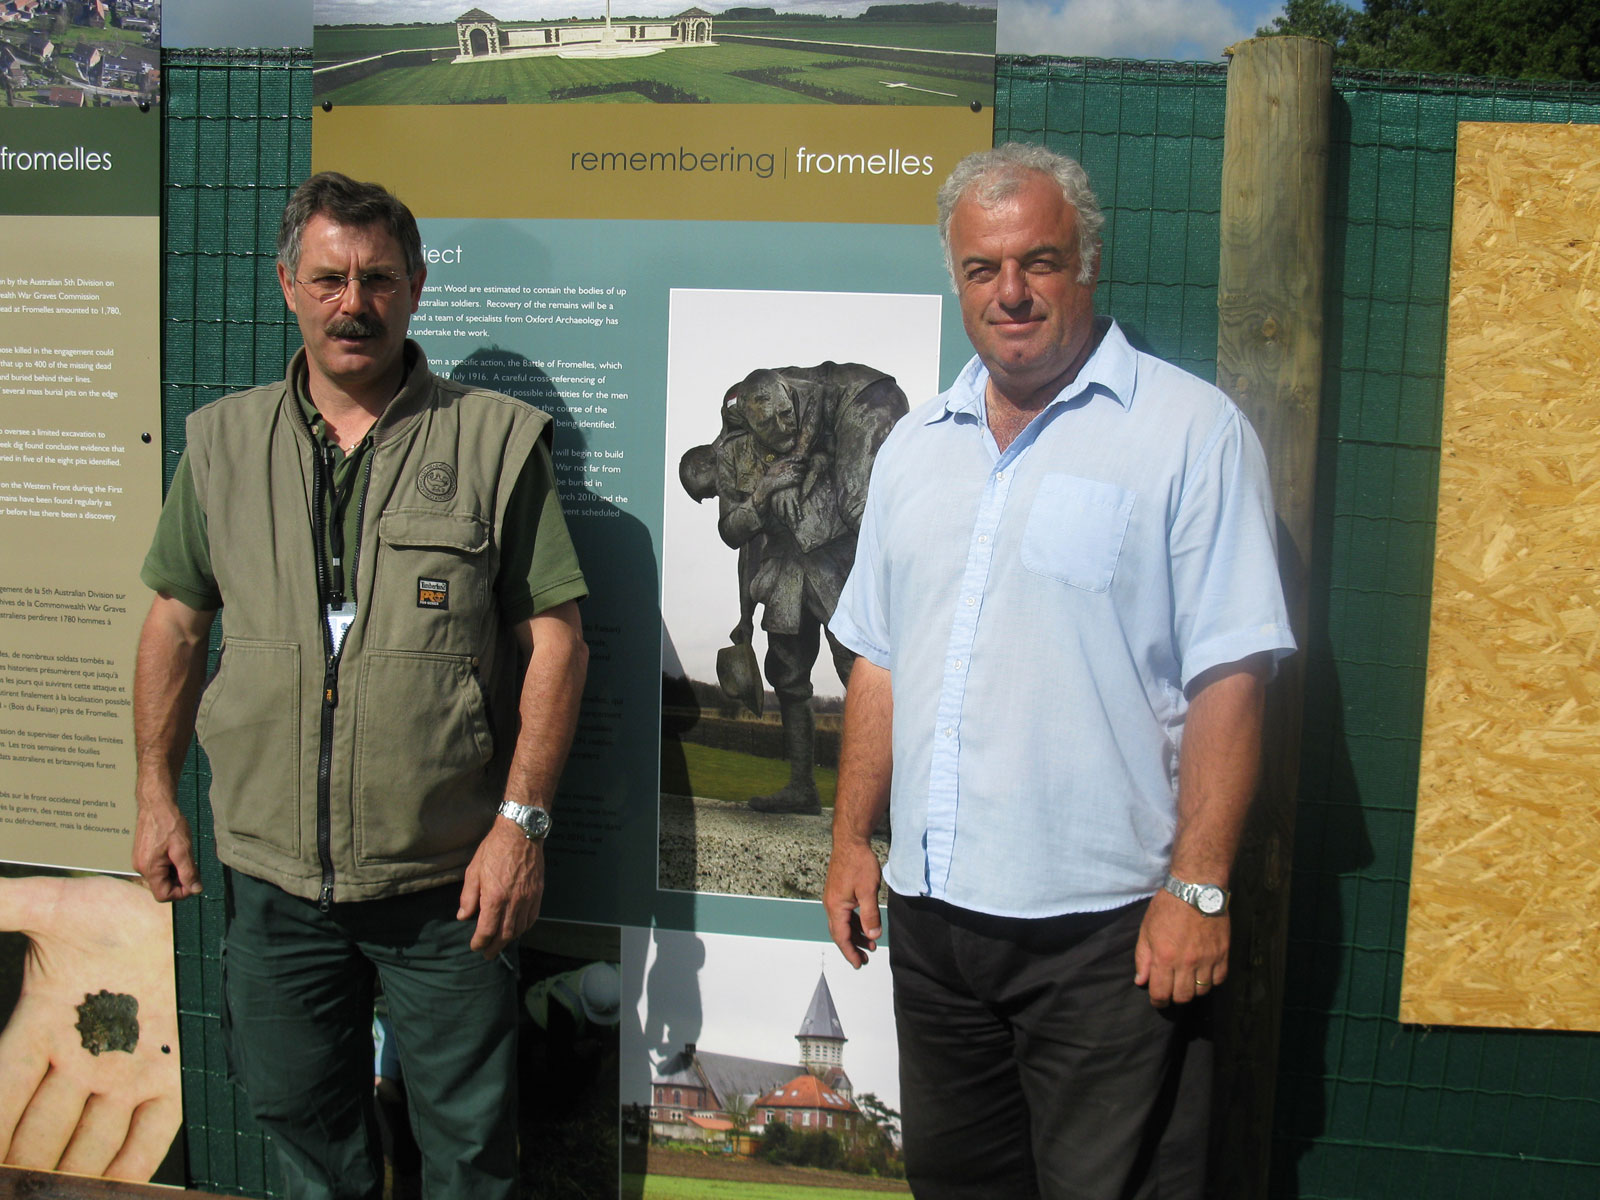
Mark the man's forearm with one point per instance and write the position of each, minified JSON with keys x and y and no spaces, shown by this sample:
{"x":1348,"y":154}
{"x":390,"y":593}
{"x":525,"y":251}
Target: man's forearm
{"x":866,"y":764}
{"x":552,"y":690}
{"x":866,"y":759}
{"x":504,"y":882}
{"x":166,"y":688}
{"x":167,"y":682}
{"x":1217,"y":770}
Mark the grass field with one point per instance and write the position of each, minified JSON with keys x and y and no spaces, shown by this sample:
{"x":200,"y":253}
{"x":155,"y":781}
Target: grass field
{"x":341,"y":43}
{"x":335,"y":43}
{"x":727,"y":73}
{"x":677,"y":1187}
{"x":707,"y":74}
{"x":974,"y":38}
{"x":113,"y":40}
{"x":729,"y":775}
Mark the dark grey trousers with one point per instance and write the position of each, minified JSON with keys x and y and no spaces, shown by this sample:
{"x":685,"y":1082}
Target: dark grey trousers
{"x":1031,"y":1066}
{"x":299,"y":991}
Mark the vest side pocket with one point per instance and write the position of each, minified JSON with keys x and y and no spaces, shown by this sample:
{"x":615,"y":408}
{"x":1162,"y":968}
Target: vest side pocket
{"x":422,"y":744}
{"x":248,"y":723}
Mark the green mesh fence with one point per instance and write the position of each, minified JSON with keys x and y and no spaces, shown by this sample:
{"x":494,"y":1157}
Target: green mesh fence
{"x":1150,"y":136}
{"x":1367,"y":1108}
{"x":238,"y":139}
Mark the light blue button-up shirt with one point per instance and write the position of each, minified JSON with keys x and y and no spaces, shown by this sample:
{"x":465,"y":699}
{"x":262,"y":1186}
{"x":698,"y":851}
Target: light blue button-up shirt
{"x":1041,"y":611}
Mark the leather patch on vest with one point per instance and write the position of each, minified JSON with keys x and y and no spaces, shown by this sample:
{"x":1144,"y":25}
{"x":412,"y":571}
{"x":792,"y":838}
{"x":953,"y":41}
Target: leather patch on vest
{"x":437,"y":481}
{"x":433,"y":593}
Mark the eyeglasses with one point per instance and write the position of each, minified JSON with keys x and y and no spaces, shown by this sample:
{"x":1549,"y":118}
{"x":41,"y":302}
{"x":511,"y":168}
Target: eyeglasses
{"x":328,"y":288}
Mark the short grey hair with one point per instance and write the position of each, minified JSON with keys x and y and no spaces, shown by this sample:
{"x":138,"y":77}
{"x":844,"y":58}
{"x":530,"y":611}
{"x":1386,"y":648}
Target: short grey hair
{"x":990,"y":176}
{"x":346,"y":202}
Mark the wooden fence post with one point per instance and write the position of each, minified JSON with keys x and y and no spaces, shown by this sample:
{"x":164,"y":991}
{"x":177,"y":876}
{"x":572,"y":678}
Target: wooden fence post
{"x":1269,"y":359}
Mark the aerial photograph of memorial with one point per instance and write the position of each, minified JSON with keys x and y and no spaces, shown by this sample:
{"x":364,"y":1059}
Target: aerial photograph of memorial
{"x":653,"y":51}
{"x":80,"y":53}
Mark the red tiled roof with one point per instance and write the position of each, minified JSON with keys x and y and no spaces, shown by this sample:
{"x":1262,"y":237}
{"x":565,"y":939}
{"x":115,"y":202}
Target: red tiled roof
{"x":715,"y":1124}
{"x":805,"y":1091}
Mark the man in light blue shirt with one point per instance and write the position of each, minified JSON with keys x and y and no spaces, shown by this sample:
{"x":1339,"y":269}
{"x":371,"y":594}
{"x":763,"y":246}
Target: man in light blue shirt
{"x":1066,"y":603}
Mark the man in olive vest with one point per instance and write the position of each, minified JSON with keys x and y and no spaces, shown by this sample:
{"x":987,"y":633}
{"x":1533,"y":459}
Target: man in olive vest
{"x":396,"y":695}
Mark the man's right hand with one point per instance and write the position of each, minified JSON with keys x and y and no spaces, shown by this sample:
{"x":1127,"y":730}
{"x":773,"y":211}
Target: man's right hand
{"x":850,"y":898}
{"x":166,"y":689}
{"x":163,"y":852}
{"x":866,"y":764}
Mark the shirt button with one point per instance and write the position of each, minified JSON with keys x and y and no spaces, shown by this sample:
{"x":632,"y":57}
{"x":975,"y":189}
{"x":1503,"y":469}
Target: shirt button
{"x":949,"y":731}
{"x":971,"y":600}
{"x":999,"y":476}
{"x":957,"y":664}
{"x":983,"y":539}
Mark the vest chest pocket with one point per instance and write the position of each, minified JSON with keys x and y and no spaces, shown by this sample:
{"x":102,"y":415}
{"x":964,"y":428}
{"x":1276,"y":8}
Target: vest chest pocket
{"x":433,"y":583}
{"x":1075,"y":530}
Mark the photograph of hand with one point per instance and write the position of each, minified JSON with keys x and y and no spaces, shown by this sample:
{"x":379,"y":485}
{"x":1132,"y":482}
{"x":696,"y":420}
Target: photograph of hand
{"x":89,"y":1070}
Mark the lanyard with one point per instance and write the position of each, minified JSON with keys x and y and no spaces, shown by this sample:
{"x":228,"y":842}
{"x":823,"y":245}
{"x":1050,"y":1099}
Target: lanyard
{"x":338,"y":501}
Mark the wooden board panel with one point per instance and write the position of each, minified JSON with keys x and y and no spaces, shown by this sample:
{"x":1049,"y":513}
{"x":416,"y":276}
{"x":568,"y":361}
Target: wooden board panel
{"x":1505,"y":885}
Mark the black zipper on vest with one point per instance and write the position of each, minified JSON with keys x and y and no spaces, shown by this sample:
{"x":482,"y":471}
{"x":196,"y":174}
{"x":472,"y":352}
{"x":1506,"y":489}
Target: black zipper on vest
{"x":330,"y":690}
{"x":330,"y":676}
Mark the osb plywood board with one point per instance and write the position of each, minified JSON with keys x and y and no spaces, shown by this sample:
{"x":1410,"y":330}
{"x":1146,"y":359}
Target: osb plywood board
{"x":1504,"y":919}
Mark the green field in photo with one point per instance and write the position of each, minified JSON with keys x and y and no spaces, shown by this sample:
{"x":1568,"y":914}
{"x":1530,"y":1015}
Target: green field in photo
{"x":713,"y":74}
{"x":679,"y":1187}
{"x":342,"y":43}
{"x":972,"y":37}
{"x":729,"y":775}
{"x":732,"y":72}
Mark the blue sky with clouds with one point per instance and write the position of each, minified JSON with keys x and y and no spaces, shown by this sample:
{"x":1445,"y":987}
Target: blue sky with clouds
{"x":1165,"y":29}
{"x":1170,"y":29}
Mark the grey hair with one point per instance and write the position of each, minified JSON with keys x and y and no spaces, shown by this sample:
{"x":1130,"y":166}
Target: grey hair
{"x":346,"y":202}
{"x":990,"y":176}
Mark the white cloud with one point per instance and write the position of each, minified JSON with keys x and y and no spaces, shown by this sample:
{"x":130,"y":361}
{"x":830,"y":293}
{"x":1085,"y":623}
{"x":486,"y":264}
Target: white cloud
{"x":1149,"y":29}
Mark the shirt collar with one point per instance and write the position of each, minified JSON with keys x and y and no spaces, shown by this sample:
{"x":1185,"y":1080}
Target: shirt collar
{"x":1112,"y":370}
{"x":299,"y":375}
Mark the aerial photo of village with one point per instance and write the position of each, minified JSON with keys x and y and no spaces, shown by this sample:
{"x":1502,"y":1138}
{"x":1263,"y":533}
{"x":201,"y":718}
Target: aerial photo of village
{"x":80,"y":53}
{"x":654,"y":51}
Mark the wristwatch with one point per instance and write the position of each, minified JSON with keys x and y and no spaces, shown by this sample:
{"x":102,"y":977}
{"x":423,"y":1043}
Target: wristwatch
{"x":530,"y":818}
{"x":1207,"y":898}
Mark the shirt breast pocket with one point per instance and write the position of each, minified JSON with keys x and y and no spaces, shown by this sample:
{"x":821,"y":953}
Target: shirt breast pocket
{"x":1075,"y":530}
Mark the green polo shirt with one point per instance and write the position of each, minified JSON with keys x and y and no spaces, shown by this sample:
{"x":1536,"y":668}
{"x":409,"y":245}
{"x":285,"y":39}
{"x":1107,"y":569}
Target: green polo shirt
{"x":538,"y":566}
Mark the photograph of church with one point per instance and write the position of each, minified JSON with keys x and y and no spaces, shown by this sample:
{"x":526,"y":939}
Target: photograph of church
{"x":757,"y":1061}
{"x":704,"y":1096}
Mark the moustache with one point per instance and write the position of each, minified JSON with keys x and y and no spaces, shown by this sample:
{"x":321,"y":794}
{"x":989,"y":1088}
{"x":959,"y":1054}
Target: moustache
{"x":357,"y":326}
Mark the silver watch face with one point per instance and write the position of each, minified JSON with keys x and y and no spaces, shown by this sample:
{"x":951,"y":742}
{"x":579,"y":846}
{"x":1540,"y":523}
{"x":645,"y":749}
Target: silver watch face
{"x":530,"y":818}
{"x":535,"y":821}
{"x":1210,"y":900}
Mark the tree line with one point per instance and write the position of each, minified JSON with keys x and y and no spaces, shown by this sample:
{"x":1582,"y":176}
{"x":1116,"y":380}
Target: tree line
{"x":1509,"y":39}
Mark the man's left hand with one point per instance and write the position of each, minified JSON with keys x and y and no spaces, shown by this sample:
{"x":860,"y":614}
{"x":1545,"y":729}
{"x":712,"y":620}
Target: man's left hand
{"x":503,"y":887}
{"x":1182,"y":954}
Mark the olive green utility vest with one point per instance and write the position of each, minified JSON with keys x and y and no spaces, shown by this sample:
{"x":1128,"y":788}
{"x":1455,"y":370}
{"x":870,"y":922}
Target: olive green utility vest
{"x":377,"y":770}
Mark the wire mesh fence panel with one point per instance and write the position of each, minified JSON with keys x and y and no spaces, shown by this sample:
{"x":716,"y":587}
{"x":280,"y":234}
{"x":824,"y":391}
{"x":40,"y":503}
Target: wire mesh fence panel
{"x":238,"y":139}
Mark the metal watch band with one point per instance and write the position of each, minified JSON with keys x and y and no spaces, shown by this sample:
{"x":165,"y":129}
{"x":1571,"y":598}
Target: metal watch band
{"x":530,"y":818}
{"x":1205,"y":898}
